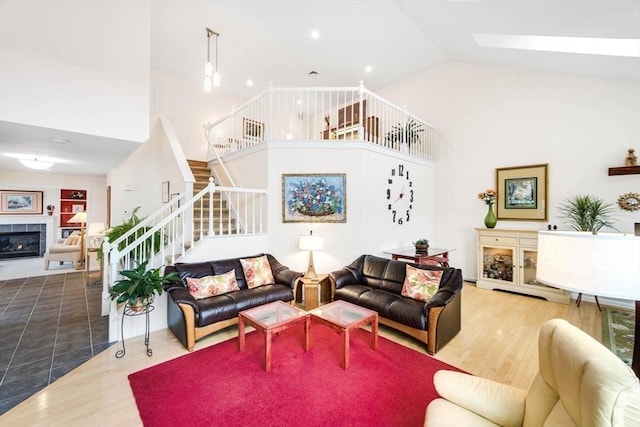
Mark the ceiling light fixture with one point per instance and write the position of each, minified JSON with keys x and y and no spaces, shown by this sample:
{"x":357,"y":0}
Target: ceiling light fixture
{"x":211,"y":78}
{"x":315,"y":34}
{"x":584,"y":45}
{"x":368,"y":68}
{"x":37,"y":164}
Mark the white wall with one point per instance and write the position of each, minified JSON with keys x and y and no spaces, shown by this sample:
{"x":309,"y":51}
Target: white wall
{"x":368,"y":229}
{"x":76,"y":66}
{"x":188,"y":107}
{"x":490,"y":117}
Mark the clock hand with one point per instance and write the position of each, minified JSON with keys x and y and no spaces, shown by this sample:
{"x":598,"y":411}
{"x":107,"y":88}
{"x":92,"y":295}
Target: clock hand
{"x":399,"y":196}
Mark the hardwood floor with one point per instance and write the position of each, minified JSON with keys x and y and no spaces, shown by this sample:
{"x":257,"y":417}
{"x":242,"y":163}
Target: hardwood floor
{"x":498,"y":341}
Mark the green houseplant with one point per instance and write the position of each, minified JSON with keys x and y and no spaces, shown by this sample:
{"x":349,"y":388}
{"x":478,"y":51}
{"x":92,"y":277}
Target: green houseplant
{"x":119,"y":230}
{"x":410,"y":133}
{"x":422,"y":245}
{"x":587,"y":213}
{"x":140,"y":286}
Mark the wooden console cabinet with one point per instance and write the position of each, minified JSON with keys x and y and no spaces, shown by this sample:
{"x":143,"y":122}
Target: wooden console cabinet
{"x":507,"y":260}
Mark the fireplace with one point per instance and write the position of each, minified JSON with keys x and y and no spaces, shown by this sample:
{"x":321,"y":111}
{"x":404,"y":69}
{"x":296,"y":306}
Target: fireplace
{"x":22,"y":240}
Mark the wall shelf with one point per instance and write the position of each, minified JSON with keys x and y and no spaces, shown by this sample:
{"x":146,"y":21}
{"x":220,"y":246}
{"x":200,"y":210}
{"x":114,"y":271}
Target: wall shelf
{"x":625,"y":170}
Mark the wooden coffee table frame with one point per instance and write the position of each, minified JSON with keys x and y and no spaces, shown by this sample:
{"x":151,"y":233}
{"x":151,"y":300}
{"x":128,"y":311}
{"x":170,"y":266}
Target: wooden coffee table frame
{"x":269,"y":329}
{"x":344,"y":328}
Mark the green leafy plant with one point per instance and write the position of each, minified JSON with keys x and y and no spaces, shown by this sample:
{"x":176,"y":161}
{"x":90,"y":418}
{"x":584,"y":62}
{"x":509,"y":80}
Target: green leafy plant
{"x":410,"y":133}
{"x":120,"y":230}
{"x":421,"y":242}
{"x":140,"y":285}
{"x":587,"y":213}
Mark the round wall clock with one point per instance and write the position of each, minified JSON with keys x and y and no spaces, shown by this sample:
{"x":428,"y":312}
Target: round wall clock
{"x":399,"y":195}
{"x":629,"y":202}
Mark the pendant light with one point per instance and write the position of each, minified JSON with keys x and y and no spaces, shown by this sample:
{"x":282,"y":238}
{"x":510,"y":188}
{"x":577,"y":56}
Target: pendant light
{"x":211,"y":78}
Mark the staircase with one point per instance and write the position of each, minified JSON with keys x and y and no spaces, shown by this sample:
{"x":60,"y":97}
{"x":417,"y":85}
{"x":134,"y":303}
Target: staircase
{"x":224,"y":225}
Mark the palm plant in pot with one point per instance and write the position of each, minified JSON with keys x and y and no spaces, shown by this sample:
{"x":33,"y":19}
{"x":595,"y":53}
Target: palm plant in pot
{"x":587,"y":213}
{"x":409,"y":134}
{"x":140,"y":286}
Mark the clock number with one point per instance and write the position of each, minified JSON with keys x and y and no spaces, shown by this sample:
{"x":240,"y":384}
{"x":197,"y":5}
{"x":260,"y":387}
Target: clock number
{"x":393,"y":172}
{"x":400,"y":170}
{"x":410,"y":183}
{"x":390,"y":181}
{"x":389,"y":206}
{"x":400,"y":221}
{"x":394,"y":215}
{"x":407,"y":215}
{"x":388,"y":194}
{"x":411,"y":196}
{"x":407,"y":174}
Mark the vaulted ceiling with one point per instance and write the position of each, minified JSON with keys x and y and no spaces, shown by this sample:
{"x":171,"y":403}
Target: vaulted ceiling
{"x":269,"y":41}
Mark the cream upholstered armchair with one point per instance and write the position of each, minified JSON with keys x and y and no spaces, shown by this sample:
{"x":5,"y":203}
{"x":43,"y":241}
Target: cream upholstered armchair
{"x":66,"y":250}
{"x":580,"y":383}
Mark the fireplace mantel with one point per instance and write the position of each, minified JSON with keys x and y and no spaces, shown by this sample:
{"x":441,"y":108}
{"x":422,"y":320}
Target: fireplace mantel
{"x":32,"y":219}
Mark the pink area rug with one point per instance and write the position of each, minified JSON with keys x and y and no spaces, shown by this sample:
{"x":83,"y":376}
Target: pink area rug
{"x":220,"y":386}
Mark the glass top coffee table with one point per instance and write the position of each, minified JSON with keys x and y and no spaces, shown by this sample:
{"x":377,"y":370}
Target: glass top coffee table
{"x":344,"y":317}
{"x":269,"y":319}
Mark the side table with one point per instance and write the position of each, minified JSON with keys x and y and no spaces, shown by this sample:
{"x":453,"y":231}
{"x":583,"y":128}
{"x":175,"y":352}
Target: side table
{"x":312,"y":290}
{"x":88,"y":264}
{"x":130,"y":312}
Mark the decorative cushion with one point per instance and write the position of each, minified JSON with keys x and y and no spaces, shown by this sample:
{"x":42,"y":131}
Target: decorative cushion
{"x":257,"y":271}
{"x":73,"y":239}
{"x":421,"y":284}
{"x":210,"y":286}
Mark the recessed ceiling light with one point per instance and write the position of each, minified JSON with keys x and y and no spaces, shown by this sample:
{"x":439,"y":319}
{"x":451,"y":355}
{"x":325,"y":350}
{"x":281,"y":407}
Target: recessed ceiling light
{"x":584,"y":45}
{"x":249,"y":82}
{"x":315,"y":34}
{"x":368,"y":68}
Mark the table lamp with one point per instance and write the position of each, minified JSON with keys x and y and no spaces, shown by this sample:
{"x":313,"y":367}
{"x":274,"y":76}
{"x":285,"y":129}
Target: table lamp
{"x":605,"y":264}
{"x":95,"y":233}
{"x":310,"y":243}
{"x":80,"y":218}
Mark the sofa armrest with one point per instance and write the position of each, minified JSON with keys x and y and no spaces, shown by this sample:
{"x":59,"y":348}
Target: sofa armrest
{"x":283,"y":274}
{"x":348,"y":275}
{"x":448,"y":289}
{"x":498,"y":403}
{"x":180,"y":295}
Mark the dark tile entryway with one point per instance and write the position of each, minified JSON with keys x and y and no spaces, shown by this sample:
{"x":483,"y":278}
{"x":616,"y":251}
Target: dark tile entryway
{"x":49,"y":325}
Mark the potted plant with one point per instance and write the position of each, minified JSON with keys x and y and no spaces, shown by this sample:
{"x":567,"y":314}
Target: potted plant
{"x":119,"y":230}
{"x":140,"y":286}
{"x":587,"y":213}
{"x":409,"y":134}
{"x":422,"y":245}
{"x":50,"y":209}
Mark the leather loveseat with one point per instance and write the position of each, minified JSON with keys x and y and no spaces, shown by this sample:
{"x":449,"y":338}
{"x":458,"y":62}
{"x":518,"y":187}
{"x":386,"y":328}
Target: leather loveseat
{"x":376,"y":283}
{"x":191,"y":319}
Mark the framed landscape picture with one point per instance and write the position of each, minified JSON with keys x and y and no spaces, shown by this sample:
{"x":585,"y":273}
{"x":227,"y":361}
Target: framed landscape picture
{"x":314,"y":198}
{"x":20,"y":202}
{"x":522,"y":193}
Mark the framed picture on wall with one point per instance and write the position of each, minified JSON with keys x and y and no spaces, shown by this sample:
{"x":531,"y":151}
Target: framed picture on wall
{"x":20,"y":202}
{"x":522,"y":193}
{"x":314,"y":198}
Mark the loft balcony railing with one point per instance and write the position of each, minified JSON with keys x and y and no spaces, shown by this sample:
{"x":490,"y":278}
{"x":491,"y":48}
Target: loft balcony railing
{"x":320,"y":114}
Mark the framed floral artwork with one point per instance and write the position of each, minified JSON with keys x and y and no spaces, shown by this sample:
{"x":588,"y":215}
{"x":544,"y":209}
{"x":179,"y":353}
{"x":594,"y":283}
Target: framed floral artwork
{"x":20,"y":202}
{"x":522,"y":193}
{"x":314,"y":198}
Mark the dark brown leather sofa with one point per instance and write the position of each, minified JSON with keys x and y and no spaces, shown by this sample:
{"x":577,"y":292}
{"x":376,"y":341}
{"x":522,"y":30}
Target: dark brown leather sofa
{"x":376,"y":283}
{"x":192,"y":319}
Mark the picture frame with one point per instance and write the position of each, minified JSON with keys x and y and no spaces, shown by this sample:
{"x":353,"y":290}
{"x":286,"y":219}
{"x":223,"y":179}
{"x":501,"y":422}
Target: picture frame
{"x":165,"y":192}
{"x":252,"y":129}
{"x":313,"y":197}
{"x":522,"y":193}
{"x":18,"y":202}
{"x":77,"y":208}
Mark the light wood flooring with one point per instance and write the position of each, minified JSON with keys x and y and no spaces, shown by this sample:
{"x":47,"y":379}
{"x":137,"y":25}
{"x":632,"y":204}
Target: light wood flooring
{"x":498,"y":341}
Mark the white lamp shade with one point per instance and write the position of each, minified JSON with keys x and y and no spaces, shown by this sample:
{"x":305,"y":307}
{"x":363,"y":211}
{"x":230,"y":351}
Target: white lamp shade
{"x":603,"y":264}
{"x":311,"y":242}
{"x":208,"y":69}
{"x":78,"y":218}
{"x":216,"y":79}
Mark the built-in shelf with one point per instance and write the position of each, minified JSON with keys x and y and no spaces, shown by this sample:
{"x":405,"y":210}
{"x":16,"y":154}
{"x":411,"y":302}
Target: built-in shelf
{"x":625,"y":170}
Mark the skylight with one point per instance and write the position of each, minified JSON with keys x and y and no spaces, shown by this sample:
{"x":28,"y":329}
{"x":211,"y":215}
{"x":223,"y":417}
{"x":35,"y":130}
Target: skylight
{"x":585,"y":45}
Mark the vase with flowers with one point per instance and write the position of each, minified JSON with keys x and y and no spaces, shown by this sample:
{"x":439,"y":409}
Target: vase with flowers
{"x":489,"y":198}
{"x":50,"y":209}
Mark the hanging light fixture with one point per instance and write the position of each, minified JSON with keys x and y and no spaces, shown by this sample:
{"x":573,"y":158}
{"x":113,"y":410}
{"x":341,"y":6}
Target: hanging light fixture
{"x":211,"y":78}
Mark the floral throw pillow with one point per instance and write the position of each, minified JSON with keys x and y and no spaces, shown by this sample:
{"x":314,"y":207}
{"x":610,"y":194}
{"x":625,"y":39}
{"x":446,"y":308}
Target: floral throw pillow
{"x":257,"y":271}
{"x":209,"y":286}
{"x":421,"y":284}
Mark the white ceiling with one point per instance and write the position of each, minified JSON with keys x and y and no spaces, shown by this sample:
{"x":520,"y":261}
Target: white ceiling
{"x":269,"y":41}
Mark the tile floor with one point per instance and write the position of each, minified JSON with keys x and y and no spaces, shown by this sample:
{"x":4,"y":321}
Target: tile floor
{"x":49,"y":324}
